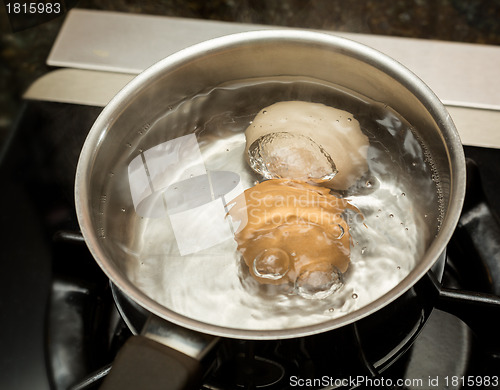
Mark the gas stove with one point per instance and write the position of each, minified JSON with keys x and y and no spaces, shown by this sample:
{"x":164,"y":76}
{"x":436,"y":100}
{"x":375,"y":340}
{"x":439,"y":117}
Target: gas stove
{"x":61,"y":324}
{"x":63,"y":327}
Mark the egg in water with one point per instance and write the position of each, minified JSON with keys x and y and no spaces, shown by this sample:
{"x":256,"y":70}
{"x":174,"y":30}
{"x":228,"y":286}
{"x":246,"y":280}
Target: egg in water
{"x":307,"y":141}
{"x":291,"y":230}
{"x":295,"y":233}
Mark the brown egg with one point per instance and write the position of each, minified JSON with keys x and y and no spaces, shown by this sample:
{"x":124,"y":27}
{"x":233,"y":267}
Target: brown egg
{"x":292,"y":232}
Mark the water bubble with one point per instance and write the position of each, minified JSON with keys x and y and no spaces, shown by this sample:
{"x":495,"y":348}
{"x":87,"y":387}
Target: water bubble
{"x":349,"y":119}
{"x":403,"y":194}
{"x":123,"y":209}
{"x":341,"y":232}
{"x":331,"y":309}
{"x":369,"y":184}
{"x":363,"y":250}
{"x":293,"y":156}
{"x":391,"y":215}
{"x":319,"y":283}
{"x":272,"y":263}
{"x":129,"y":145}
{"x":354,"y":296}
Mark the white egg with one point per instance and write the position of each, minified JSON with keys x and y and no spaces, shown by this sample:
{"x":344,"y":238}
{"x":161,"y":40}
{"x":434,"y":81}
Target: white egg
{"x":307,"y":141}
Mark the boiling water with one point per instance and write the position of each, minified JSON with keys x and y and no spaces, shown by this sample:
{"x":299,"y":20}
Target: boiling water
{"x":398,"y":198}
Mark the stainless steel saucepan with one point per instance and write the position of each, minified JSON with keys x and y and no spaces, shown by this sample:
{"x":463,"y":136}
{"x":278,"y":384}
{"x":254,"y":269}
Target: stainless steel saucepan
{"x":168,"y":148}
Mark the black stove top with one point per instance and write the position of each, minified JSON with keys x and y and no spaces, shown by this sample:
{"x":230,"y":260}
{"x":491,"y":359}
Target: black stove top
{"x":60,"y":327}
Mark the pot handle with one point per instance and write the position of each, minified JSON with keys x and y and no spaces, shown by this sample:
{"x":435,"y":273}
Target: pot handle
{"x":145,"y":364}
{"x":165,"y":356}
